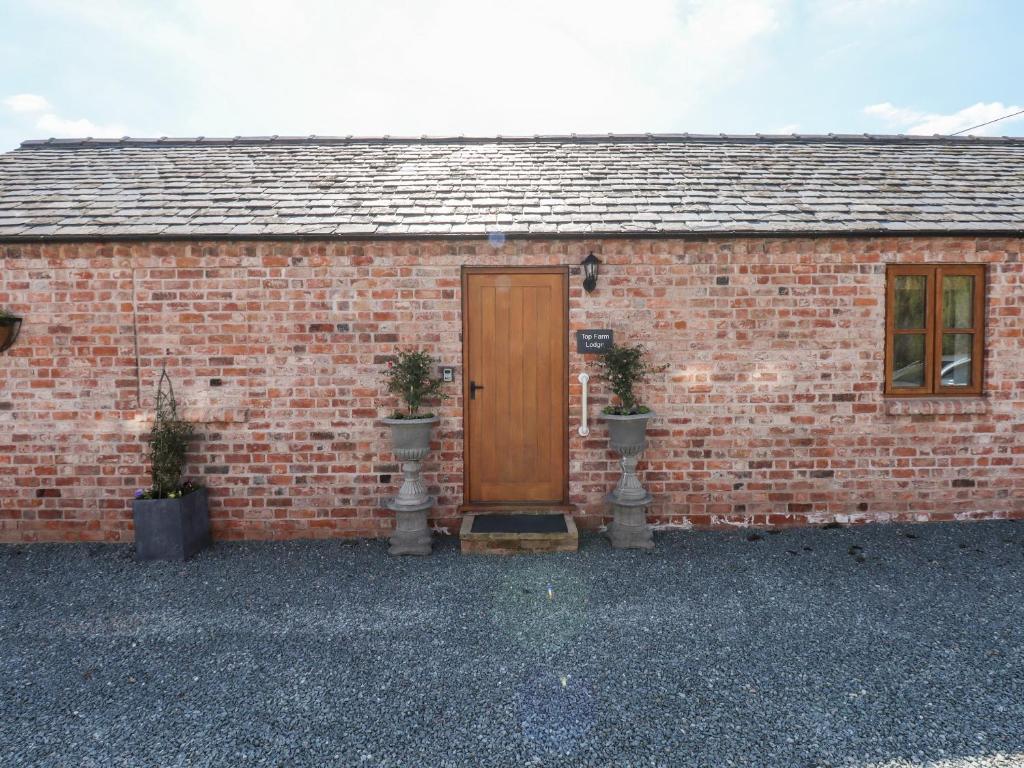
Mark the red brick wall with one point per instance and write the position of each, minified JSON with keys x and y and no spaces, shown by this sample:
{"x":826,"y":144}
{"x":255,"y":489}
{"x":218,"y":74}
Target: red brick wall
{"x":772,"y":411}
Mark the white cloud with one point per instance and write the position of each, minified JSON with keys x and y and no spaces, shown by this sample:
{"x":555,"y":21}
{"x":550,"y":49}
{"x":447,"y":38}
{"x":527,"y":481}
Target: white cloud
{"x":52,"y":124}
{"x":449,"y":66}
{"x":918,"y":123}
{"x":26,"y":102}
{"x":862,"y":11}
{"x":59,"y":127}
{"x":787,"y":128}
{"x":892,"y":115}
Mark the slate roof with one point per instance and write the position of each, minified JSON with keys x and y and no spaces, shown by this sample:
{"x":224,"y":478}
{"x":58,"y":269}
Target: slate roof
{"x":548,"y":185}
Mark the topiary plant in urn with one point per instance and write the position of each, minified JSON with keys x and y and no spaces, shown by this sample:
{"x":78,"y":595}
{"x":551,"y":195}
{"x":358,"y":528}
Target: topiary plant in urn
{"x":624,"y":368}
{"x":410,"y":376}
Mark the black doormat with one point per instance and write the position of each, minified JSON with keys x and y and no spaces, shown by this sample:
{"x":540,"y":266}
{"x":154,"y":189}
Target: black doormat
{"x":525,"y":523}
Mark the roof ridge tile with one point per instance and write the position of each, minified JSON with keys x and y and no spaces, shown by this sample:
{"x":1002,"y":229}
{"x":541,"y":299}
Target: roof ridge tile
{"x":587,"y":138}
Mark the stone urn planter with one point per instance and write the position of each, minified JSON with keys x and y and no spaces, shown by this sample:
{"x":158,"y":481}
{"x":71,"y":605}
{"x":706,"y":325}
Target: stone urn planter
{"x":410,"y":444}
{"x":629,"y":500}
{"x":171,"y":529}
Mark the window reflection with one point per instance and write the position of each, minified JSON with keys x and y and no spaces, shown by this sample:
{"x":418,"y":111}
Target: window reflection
{"x":956,"y":359}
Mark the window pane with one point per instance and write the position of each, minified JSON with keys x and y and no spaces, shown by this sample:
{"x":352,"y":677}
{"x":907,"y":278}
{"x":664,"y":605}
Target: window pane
{"x":958,"y":301}
{"x":908,"y":360}
{"x":956,"y":359}
{"x":909,"y":301}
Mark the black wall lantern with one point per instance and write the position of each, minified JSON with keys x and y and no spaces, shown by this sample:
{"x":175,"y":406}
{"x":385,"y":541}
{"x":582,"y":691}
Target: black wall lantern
{"x":589,"y":265}
{"x":10,"y":325}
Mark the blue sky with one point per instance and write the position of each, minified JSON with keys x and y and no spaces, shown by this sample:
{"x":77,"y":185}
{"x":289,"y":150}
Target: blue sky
{"x":337,"y":67}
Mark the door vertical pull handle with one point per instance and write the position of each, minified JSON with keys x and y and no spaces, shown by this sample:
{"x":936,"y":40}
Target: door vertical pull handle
{"x":473,"y":387}
{"x":584,"y":430}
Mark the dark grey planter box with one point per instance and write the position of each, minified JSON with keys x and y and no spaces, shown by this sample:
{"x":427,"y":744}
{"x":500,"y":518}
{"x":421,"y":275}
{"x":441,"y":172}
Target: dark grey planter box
{"x":171,"y":529}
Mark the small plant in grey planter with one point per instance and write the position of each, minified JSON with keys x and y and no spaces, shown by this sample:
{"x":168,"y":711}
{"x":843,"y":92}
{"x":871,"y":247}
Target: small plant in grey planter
{"x":172,"y":521}
{"x":624,"y":367}
{"x":410,"y":376}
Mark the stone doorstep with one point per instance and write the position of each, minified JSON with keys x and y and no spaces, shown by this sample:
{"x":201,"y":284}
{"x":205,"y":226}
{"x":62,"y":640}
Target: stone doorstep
{"x":509,"y":543}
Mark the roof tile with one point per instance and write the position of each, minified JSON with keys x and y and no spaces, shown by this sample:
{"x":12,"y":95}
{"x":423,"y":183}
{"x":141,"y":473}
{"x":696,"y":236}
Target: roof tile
{"x":587,"y":185}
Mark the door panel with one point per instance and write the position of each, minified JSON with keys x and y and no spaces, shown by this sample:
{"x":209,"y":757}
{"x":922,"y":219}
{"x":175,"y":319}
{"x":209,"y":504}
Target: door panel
{"x":515,"y":339}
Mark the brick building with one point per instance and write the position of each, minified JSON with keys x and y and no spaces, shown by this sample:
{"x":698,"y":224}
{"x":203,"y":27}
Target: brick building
{"x":841,"y":318}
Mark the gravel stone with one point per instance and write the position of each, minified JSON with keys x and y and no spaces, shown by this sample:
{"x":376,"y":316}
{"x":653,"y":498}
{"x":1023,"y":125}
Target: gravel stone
{"x":879,"y":646}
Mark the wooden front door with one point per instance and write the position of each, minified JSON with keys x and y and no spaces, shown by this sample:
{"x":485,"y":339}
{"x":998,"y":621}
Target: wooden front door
{"x":515,"y":374}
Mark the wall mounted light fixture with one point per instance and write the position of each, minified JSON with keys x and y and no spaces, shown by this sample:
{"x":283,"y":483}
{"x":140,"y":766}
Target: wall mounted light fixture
{"x":589,"y":265}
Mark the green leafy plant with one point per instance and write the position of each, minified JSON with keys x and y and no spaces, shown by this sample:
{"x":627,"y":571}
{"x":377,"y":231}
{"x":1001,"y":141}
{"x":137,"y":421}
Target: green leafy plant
{"x":410,"y":377}
{"x":6,"y":314}
{"x":624,"y":367}
{"x":168,"y":444}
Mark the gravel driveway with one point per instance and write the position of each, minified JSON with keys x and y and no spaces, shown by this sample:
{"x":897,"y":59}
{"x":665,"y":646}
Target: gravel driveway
{"x":870,"y":646}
